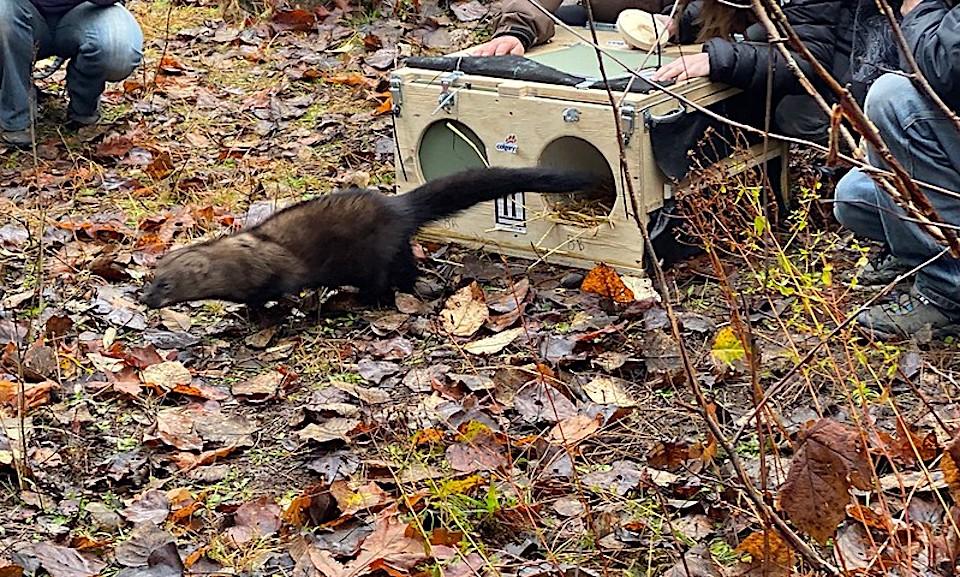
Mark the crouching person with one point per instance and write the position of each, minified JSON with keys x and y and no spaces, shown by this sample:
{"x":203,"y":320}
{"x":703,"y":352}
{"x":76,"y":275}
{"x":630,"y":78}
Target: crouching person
{"x":100,"y":39}
{"x":927,"y":144}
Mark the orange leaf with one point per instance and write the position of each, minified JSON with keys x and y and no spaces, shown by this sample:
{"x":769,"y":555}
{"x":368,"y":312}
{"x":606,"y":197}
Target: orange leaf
{"x":604,"y":281}
{"x":951,"y":467}
{"x":348,"y":79}
{"x":385,"y":107}
{"x":769,"y":554}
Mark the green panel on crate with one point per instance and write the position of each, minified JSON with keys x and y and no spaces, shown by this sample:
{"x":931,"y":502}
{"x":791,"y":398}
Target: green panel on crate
{"x":446,"y":148}
{"x":581,"y":60}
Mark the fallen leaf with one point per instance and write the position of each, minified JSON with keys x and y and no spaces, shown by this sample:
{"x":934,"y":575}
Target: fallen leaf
{"x":465,"y":312}
{"x":335,"y":429}
{"x":830,"y":461}
{"x":366,"y":497}
{"x":151,"y":507}
{"x":606,"y":282}
{"x":166,"y":375}
{"x":727,"y":348}
{"x":608,"y":391}
{"x":262,"y":387}
{"x":469,"y":11}
{"x":65,"y":562}
{"x":770,"y":556}
{"x":572,"y":430}
{"x":495,"y":344}
{"x":537,"y":403}
{"x":479,"y":450}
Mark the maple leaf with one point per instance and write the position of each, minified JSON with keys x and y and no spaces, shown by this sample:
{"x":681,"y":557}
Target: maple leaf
{"x":830,"y":461}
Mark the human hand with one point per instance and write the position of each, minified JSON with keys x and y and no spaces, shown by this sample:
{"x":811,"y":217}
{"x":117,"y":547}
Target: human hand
{"x":908,"y":5}
{"x":499,"y":46}
{"x":684,"y":68}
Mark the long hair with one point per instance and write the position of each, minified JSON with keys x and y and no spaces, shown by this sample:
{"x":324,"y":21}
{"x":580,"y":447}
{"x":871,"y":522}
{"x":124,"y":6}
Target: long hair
{"x":718,"y":19}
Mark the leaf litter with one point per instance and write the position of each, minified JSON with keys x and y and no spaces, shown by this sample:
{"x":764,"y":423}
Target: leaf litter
{"x":425,"y":436}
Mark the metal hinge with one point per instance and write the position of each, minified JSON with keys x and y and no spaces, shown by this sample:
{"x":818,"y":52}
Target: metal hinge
{"x":396,"y":95}
{"x":628,"y":122}
{"x":448,"y":98}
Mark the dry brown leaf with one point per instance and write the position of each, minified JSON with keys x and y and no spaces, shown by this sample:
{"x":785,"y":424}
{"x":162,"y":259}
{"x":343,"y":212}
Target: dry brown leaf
{"x":366,"y":497}
{"x":153,"y":507}
{"x":950,"y":464}
{"x":829,"y":463}
{"x":608,"y":391}
{"x":186,"y":461}
{"x":262,"y":387}
{"x":392,"y":547}
{"x":573,"y":430}
{"x":175,"y":426}
{"x":166,"y":375}
{"x":604,"y":281}
{"x":465,"y":312}
{"x":480,"y":449}
{"x":495,"y":344}
{"x":337,"y":428}
{"x":65,"y":562}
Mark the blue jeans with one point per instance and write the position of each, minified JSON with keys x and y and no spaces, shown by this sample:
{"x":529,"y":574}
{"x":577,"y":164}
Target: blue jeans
{"x":928,"y":146}
{"x":102,"y":43}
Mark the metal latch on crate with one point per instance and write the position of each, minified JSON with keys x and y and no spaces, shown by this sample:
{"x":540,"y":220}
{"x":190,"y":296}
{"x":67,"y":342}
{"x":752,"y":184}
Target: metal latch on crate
{"x":628,"y":122}
{"x":396,"y":95}
{"x":448,"y":98}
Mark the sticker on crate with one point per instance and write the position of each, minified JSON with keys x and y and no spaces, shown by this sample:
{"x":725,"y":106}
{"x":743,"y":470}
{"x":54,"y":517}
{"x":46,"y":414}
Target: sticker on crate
{"x":510,"y":213}
{"x":509,"y":144}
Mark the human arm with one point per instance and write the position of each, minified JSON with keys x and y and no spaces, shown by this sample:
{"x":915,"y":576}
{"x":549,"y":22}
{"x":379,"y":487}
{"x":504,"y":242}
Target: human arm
{"x":932,"y":31}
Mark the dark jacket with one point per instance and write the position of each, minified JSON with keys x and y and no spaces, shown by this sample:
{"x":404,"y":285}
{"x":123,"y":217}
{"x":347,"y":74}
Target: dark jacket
{"x":57,"y":7}
{"x":746,"y":64}
{"x":522,"y":19}
{"x":932,"y":30}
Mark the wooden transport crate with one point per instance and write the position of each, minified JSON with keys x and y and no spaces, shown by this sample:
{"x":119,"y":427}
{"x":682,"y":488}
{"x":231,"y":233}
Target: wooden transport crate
{"x":518,"y":123}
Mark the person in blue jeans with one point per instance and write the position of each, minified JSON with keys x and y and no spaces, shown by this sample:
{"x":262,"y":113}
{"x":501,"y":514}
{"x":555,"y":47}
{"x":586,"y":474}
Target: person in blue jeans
{"x":921,"y":137}
{"x":100,"y":39}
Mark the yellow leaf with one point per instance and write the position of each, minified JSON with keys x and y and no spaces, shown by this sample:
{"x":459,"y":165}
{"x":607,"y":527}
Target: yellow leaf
{"x":727,"y":348}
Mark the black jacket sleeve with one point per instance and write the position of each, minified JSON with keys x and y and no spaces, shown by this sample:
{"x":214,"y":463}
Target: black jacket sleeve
{"x":932,"y":30}
{"x":746,"y":64}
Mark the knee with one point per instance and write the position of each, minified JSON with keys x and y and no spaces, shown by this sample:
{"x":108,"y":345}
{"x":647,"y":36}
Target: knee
{"x":16,"y":20}
{"x":117,"y":52}
{"x":886,"y":102}
{"x":854,"y":194}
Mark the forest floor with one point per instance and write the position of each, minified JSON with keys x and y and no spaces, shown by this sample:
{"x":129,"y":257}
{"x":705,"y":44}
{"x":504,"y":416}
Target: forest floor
{"x":503,"y":421}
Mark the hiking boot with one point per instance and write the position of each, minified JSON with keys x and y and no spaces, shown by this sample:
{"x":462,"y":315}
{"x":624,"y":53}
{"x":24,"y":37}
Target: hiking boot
{"x":882,"y":271}
{"x":17,"y":138}
{"x":78,"y":121}
{"x":909,"y":315}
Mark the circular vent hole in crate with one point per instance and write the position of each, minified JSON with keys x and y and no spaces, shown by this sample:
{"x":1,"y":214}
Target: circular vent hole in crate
{"x":449,"y":146}
{"x":576,"y":153}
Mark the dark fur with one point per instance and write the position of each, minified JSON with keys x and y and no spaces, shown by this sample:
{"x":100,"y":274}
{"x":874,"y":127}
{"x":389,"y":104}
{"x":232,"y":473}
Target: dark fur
{"x":357,"y":238}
